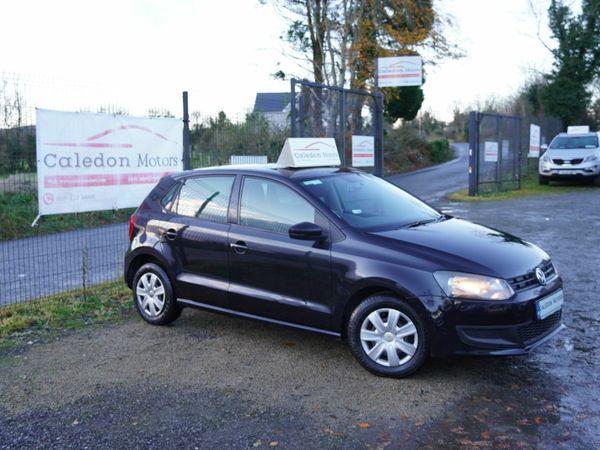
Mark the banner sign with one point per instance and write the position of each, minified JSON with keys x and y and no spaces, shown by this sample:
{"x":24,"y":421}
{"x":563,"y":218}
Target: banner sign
{"x":399,"y":71}
{"x":490,"y":151}
{"x":534,"y":141}
{"x":363,"y":151}
{"x":309,"y":152}
{"x":93,"y":162}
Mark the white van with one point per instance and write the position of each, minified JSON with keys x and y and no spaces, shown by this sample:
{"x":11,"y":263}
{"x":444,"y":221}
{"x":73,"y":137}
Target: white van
{"x":572,"y":155}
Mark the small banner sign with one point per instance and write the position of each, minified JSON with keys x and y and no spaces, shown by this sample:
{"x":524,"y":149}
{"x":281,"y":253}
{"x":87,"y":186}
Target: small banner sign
{"x":490,"y":151}
{"x":534,"y":141}
{"x":309,"y":152}
{"x":363,"y":151}
{"x":94,"y":162}
{"x":399,"y":71}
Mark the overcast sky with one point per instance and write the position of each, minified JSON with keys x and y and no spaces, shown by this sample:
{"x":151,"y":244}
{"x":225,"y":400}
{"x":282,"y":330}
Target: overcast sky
{"x":142,"y":54}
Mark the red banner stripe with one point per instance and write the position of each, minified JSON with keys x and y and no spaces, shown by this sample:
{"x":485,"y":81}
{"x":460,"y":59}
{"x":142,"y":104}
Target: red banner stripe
{"x":73,"y":181}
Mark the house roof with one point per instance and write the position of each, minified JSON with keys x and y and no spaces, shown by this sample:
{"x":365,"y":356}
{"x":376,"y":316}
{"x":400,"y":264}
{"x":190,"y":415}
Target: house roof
{"x":271,"y":101}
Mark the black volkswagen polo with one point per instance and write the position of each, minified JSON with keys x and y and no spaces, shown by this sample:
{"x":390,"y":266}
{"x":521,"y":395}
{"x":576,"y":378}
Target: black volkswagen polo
{"x":340,"y":252}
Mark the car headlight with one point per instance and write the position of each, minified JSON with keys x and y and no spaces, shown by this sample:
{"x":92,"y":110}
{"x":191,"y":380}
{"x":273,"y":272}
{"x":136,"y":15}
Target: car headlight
{"x":590,"y":158}
{"x":545,"y":159}
{"x":466,"y":285}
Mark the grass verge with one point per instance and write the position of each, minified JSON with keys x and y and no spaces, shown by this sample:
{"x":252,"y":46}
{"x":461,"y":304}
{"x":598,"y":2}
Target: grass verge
{"x":18,"y":210}
{"x":70,"y":310}
{"x":529,"y":187}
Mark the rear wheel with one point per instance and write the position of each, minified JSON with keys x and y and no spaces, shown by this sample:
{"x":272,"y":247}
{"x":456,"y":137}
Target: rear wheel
{"x":387,"y":336}
{"x":153,"y":295}
{"x":544,"y":180}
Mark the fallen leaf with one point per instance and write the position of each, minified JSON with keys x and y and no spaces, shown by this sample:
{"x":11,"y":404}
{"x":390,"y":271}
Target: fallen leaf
{"x":363,"y":425}
{"x":419,"y":422}
{"x":257,"y":444}
{"x":76,"y":422}
{"x":538,"y":420}
{"x":274,"y":443}
{"x":485,"y":435}
{"x":289,"y":344}
{"x":332,"y":433}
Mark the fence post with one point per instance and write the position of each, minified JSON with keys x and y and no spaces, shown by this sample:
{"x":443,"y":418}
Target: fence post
{"x":343,"y":125}
{"x":473,"y":153}
{"x":293,"y":106}
{"x":186,"y":133}
{"x":520,"y":152}
{"x":378,"y":119}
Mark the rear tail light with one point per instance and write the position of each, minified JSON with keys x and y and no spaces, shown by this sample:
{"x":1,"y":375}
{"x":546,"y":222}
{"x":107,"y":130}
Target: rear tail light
{"x":132,"y":220}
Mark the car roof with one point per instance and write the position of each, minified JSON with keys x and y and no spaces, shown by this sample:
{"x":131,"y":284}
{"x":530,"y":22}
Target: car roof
{"x":270,"y":170}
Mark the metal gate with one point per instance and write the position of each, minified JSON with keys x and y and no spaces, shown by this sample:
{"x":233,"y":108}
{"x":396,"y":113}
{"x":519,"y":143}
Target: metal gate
{"x":318,"y":110}
{"x":494,"y":152}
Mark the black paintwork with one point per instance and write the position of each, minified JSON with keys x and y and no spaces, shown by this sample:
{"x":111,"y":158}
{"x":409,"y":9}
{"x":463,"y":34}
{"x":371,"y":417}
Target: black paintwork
{"x":316,"y":283}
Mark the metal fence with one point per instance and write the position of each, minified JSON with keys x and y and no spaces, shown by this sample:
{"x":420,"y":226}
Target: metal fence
{"x":71,"y":251}
{"x":498,"y":149}
{"x":318,"y":110}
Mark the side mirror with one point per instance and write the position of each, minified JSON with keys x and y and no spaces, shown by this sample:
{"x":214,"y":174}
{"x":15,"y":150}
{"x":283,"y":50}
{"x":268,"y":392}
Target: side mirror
{"x":306,"y":231}
{"x":544,"y":147}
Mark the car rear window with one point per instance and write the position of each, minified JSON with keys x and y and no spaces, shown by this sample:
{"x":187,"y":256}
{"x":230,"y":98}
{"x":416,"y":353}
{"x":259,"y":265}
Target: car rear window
{"x":571,"y":142}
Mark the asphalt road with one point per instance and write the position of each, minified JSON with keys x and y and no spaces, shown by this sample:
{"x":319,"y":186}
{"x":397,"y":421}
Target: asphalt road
{"x":39,"y":266}
{"x":36,"y":267}
{"x":433,"y":183}
{"x":211,"y":381}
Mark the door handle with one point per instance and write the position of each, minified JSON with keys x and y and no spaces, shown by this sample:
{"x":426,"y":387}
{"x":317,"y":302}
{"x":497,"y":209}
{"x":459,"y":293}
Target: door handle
{"x":239,"y":247}
{"x":170,"y":234}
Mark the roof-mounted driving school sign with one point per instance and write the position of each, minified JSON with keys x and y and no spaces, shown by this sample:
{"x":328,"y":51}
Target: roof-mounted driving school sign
{"x":309,"y":152}
{"x":398,"y":71}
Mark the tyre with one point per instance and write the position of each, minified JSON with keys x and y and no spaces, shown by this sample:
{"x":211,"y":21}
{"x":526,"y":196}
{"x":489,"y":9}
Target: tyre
{"x":544,"y":180}
{"x":387,"y":336}
{"x":153,"y":295}
{"x":596,"y":181}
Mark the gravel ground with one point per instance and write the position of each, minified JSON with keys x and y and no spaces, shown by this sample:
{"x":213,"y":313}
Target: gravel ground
{"x":210,"y":381}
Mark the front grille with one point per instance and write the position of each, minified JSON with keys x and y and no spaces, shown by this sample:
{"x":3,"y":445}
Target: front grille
{"x":539,"y":328}
{"x":560,"y":162}
{"x":529,"y":280}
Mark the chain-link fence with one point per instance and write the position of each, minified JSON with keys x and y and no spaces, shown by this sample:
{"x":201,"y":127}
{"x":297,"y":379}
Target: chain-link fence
{"x":70,"y":251}
{"x":319,"y":110}
{"x":498,"y":146}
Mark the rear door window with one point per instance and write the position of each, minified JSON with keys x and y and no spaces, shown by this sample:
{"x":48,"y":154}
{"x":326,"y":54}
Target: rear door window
{"x":206,"y":197}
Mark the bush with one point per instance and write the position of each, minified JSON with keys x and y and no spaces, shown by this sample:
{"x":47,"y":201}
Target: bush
{"x":440,"y":151}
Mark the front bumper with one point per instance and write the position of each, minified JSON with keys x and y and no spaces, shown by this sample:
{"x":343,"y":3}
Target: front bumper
{"x":555,"y":171}
{"x":472,"y":327}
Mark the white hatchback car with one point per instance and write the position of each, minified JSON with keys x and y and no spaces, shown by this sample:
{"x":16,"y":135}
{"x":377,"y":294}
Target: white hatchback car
{"x":572,"y":155}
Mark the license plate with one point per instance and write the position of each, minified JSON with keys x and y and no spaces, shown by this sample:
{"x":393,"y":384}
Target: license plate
{"x":549,"y":305}
{"x":568,"y":172}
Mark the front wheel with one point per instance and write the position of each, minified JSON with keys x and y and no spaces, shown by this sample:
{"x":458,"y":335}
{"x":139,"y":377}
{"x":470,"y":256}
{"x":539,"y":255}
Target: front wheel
{"x":387,"y":336}
{"x":153,"y":295}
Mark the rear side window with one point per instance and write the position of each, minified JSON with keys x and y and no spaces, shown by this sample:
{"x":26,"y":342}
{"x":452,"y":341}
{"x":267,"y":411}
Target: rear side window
{"x":205,"y":197}
{"x":168,"y":198}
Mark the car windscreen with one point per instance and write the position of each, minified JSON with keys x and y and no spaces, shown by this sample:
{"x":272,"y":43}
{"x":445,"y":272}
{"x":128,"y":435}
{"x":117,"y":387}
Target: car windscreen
{"x":571,"y":142}
{"x":366,"y":202}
